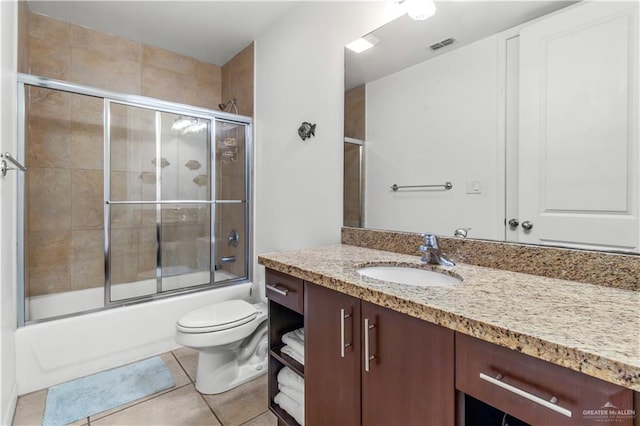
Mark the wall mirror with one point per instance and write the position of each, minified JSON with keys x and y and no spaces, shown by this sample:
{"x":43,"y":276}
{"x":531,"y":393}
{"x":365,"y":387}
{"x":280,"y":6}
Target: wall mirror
{"x":529,"y":110}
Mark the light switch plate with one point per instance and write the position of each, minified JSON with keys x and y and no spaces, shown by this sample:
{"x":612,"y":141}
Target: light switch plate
{"x":474,"y":187}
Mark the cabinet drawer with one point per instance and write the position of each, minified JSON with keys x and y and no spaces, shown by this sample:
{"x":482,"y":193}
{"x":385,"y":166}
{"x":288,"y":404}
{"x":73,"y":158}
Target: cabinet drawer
{"x":523,"y":386}
{"x":285,"y":290}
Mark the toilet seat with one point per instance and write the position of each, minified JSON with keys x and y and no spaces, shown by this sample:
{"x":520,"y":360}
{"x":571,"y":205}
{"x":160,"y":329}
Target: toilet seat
{"x":217,"y":317}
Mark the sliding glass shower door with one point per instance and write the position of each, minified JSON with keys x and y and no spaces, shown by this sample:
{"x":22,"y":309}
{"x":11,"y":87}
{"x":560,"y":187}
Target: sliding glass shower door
{"x":159,"y":197}
{"x":126,"y":199}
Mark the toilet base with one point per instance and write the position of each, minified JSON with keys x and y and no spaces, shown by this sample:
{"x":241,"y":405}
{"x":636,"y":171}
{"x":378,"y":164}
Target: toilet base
{"x":230,"y":357}
{"x":227,"y":375}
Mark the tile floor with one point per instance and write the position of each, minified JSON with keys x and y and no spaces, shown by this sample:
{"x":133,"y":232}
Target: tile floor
{"x":181,"y":405}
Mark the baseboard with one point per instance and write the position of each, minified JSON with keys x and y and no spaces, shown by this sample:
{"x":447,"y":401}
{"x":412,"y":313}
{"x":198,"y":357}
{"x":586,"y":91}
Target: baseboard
{"x":11,"y":409}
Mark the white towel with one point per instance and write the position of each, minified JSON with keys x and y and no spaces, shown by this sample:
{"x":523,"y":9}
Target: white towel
{"x":295,"y":339}
{"x":296,"y":395}
{"x":288,"y":350}
{"x":287,"y":377}
{"x":289,"y":405}
{"x":297,"y":335}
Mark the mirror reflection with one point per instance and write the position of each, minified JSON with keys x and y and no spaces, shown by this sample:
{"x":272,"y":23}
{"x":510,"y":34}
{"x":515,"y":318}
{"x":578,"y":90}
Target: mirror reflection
{"x":529,"y":109}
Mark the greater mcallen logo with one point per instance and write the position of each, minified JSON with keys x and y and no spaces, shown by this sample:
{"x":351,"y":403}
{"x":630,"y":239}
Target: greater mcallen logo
{"x":609,"y":412}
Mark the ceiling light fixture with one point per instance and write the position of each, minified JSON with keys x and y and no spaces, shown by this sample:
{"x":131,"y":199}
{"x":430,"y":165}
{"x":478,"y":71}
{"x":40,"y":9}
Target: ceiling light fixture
{"x":363,"y":43}
{"x":418,"y":10}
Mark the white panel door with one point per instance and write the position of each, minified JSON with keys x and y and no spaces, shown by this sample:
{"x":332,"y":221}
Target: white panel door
{"x":578,"y":141}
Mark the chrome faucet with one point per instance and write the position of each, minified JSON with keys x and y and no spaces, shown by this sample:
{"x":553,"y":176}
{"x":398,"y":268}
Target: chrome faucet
{"x":432,"y":253}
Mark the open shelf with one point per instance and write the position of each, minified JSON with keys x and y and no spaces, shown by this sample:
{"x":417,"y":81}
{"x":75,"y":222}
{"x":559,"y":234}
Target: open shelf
{"x":282,"y":319}
{"x":287,"y":360}
{"x":282,"y":415}
{"x":276,"y":363}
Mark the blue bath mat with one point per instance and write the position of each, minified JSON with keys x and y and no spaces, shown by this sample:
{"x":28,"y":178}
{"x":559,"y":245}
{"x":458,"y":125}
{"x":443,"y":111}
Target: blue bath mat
{"x":103,"y":391}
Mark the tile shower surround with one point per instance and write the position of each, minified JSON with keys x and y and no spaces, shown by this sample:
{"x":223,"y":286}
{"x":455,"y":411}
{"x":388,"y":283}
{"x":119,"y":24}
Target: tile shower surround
{"x":599,"y":268}
{"x":64,"y":229}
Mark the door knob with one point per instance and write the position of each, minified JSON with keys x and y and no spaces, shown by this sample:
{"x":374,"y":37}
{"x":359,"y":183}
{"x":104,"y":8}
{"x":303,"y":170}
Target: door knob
{"x":527,"y":225}
{"x":513,"y":222}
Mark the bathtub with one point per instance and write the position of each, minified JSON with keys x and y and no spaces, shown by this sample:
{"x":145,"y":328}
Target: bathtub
{"x":57,"y":351}
{"x":71,"y":302}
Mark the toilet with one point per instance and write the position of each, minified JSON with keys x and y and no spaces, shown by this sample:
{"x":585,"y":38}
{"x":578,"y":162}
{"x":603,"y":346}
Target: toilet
{"x":231,"y":338}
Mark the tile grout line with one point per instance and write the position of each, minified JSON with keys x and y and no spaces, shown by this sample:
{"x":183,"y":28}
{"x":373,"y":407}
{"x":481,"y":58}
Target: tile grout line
{"x":255,"y":417}
{"x":182,"y":367}
{"x":210,"y":408}
{"x":201,"y":395}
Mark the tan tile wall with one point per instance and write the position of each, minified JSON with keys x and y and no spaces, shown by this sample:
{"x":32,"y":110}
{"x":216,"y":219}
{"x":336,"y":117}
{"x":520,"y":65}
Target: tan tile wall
{"x":354,"y":113}
{"x":65,"y":51}
{"x":64,"y":153}
{"x":352,"y":188}
{"x":23,"y":37}
{"x":237,"y":80}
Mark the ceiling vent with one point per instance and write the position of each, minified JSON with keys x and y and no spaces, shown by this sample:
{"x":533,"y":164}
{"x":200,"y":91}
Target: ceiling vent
{"x":442,"y":43}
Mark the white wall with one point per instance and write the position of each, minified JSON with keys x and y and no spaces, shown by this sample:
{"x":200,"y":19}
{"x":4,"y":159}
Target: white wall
{"x":430,"y":123}
{"x":300,"y":77}
{"x":8,"y":67}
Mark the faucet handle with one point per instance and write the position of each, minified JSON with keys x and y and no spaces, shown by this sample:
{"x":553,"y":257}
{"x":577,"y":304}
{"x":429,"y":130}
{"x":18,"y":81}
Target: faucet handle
{"x":461,"y":232}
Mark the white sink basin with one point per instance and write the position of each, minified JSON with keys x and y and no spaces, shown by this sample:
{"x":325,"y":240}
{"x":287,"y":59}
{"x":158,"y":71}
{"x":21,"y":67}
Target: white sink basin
{"x":410,"y":276}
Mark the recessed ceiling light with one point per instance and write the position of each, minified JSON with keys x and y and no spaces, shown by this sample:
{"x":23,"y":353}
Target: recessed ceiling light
{"x":363,"y":43}
{"x":419,"y":10}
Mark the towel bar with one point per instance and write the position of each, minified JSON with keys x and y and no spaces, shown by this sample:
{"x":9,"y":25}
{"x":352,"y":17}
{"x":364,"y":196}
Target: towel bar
{"x":447,"y":186}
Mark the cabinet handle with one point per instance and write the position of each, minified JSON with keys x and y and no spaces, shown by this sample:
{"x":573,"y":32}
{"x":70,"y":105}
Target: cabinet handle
{"x":367,"y":350}
{"x":275,"y":289}
{"x":343,"y":345}
{"x":548,"y":404}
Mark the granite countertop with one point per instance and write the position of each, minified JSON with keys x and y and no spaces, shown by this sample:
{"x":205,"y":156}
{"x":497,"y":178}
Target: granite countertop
{"x":588,"y":328}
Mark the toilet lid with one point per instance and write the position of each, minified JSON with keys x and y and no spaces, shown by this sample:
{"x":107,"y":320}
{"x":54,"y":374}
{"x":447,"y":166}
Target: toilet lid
{"x":217,"y":317}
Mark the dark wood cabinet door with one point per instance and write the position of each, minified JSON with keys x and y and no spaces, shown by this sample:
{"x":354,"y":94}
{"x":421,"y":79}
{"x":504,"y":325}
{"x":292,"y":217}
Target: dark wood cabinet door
{"x":332,"y":372}
{"x":411,"y":374}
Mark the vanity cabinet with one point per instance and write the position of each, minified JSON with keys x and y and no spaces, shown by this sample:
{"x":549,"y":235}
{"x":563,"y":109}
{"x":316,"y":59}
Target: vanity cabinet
{"x":369,"y":365}
{"x":535,"y":391}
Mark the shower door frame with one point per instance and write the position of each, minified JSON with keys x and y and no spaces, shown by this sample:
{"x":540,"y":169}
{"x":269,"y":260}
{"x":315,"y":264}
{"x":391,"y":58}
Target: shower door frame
{"x":158,"y":106}
{"x":361,"y":178}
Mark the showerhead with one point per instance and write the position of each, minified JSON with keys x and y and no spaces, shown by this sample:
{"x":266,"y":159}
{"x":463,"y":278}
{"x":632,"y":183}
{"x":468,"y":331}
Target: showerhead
{"x":233,"y":102}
